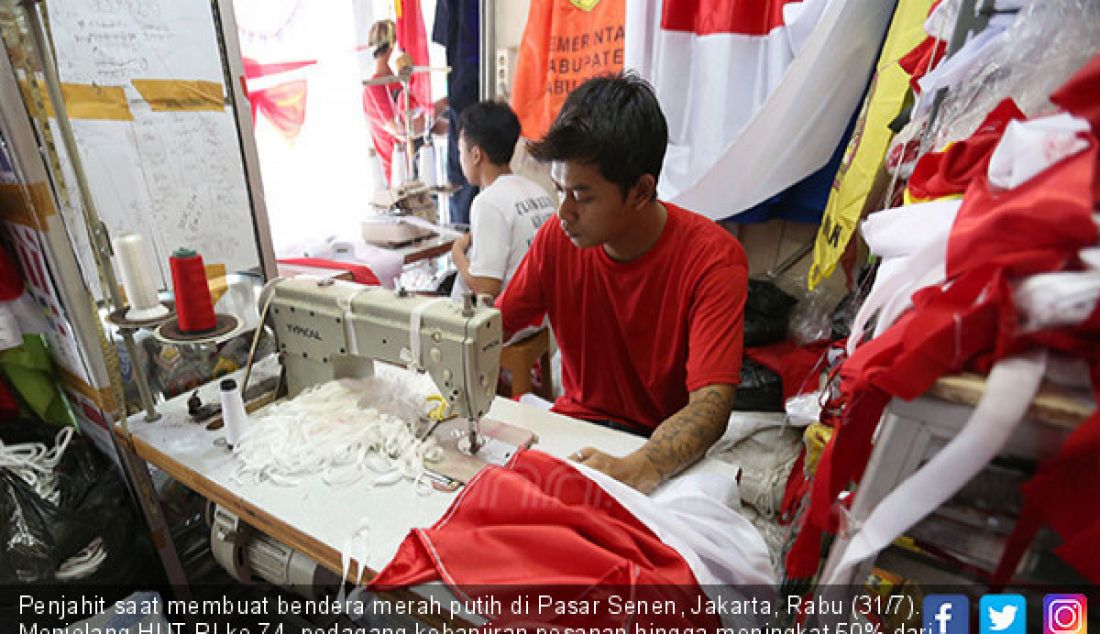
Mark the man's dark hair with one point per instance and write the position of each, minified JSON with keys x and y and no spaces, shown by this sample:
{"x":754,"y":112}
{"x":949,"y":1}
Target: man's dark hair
{"x":613,"y":122}
{"x":491,"y":126}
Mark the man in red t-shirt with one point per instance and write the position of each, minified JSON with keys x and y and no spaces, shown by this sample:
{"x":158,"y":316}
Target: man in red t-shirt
{"x":646,"y":299}
{"x":385,"y":104}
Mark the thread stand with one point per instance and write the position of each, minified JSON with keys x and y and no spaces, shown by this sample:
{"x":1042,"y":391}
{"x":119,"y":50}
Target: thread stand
{"x":118,"y":318}
{"x":225,"y":327}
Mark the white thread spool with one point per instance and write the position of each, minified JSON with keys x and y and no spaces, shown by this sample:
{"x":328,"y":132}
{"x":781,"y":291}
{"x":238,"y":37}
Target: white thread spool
{"x":375,"y":172}
{"x":135,"y":264}
{"x":233,"y":412}
{"x":425,"y":166}
{"x":399,"y":170}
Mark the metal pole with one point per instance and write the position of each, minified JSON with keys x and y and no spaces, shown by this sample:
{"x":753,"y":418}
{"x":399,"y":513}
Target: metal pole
{"x":487,"y":24}
{"x":100,"y":239}
{"x":226,"y":23}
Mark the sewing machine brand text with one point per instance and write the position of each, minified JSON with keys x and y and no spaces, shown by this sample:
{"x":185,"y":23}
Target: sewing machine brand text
{"x":309,"y":333}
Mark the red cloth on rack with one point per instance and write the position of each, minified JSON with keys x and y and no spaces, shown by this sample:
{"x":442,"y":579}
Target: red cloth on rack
{"x":413,"y":39}
{"x":540,"y":527}
{"x":923,"y":58}
{"x":360,"y":273}
{"x":997,"y":239}
{"x":939,"y":174}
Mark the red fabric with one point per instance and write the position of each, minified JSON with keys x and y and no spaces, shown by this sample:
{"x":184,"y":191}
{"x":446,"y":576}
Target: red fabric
{"x":9,"y":405}
{"x":11,"y":279}
{"x":636,"y":337}
{"x":707,"y":17}
{"x":939,"y":174}
{"x":1081,"y":94}
{"x":359,"y":273}
{"x":283,"y":104}
{"x":413,"y":40}
{"x":997,"y":238}
{"x":997,"y":227}
{"x":793,"y":363}
{"x":539,"y":526}
{"x":923,"y":58}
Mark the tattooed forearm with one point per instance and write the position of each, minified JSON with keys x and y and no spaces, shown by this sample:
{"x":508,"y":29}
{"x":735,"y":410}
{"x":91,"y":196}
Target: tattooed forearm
{"x":683,"y":438}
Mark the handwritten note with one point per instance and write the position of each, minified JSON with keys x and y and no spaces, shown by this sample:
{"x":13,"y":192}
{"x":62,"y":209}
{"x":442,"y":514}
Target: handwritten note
{"x":110,"y":42}
{"x":174,"y":176}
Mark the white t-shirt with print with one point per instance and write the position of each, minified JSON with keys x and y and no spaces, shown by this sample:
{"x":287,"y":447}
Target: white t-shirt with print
{"x":504,"y":218}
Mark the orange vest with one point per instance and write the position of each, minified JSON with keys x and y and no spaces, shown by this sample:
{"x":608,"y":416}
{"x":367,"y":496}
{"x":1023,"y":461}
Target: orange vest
{"x":565,"y":43}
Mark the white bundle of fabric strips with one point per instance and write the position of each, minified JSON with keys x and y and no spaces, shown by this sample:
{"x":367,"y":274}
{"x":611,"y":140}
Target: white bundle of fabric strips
{"x":34,"y":463}
{"x":345,"y":430}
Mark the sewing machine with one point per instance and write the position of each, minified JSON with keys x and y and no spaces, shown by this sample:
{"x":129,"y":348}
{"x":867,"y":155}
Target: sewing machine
{"x":329,"y":329}
{"x":400,"y":216}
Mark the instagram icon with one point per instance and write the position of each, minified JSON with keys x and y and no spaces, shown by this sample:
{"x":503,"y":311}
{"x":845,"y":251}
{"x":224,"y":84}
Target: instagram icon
{"x":1065,"y":614}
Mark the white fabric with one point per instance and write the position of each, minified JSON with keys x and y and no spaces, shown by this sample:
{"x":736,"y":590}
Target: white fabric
{"x":728,"y":97}
{"x":10,"y":334}
{"x":692,"y":514}
{"x":1012,"y":384}
{"x":504,"y":218}
{"x":29,"y":315}
{"x":801,"y":18}
{"x":386,"y":264}
{"x":1056,"y":300}
{"x":957,"y":68}
{"x":1030,"y":147}
{"x":912,"y":241}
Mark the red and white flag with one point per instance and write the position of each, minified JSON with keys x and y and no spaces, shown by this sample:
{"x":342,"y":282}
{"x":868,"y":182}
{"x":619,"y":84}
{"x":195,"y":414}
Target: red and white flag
{"x":757,"y":92}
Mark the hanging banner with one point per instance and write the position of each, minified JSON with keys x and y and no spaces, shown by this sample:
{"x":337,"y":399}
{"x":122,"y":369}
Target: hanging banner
{"x":867,"y":147}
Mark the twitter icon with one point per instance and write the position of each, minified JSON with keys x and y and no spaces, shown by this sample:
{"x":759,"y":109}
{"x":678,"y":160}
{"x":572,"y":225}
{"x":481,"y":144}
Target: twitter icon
{"x":1003,"y":614}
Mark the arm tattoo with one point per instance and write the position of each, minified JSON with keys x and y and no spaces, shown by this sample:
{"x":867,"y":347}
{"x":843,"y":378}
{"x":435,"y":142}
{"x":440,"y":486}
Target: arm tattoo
{"x":684,"y":437}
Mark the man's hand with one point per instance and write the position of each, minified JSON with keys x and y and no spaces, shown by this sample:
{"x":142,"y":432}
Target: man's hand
{"x":635,"y":471}
{"x":462,"y":243}
{"x":677,"y":443}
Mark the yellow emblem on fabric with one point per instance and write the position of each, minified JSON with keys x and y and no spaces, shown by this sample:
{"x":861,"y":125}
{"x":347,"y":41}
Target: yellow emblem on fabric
{"x":585,"y":5}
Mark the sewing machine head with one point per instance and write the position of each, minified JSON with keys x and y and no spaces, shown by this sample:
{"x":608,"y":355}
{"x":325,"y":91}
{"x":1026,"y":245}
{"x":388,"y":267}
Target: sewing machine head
{"x":330,"y":329}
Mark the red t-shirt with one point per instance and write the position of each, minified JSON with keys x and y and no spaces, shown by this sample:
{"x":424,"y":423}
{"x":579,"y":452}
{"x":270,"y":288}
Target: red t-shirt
{"x":636,"y":337}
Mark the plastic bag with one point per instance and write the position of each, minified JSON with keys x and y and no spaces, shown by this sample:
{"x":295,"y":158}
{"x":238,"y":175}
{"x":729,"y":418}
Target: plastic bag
{"x":767,"y":312}
{"x":760,"y":390}
{"x":93,"y":503}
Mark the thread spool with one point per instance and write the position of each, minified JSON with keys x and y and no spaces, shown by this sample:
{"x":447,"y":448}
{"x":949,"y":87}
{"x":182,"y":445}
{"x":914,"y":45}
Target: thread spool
{"x":135,"y":265}
{"x":233,"y":412}
{"x":375,"y":172}
{"x":425,"y":166}
{"x":193,"y":306}
{"x":399,"y":170}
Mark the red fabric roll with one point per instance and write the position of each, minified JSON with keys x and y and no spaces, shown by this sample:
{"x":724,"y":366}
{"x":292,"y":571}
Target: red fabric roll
{"x":193,"y":306}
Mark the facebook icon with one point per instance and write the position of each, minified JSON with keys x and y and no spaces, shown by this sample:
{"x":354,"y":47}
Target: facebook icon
{"x":946,"y":614}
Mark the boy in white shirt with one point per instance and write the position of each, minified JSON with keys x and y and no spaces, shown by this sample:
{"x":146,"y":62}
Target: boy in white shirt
{"x":507,"y":213}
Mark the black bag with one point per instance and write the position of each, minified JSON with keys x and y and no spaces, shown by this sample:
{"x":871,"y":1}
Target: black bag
{"x":767,"y":313}
{"x":760,"y":390}
{"x":38,"y":535}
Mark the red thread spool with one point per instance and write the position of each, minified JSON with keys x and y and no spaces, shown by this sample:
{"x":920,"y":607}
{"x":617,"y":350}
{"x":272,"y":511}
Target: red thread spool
{"x":193,"y":306}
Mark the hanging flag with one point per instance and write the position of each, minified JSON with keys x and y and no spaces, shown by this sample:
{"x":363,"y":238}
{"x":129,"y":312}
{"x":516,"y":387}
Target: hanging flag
{"x":282,"y":101}
{"x":736,"y":76}
{"x":413,"y":39}
{"x":565,"y":43}
{"x":863,"y":160}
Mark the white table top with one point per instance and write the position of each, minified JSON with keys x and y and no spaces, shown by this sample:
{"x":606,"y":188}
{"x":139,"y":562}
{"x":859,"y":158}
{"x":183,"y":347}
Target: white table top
{"x":318,"y":518}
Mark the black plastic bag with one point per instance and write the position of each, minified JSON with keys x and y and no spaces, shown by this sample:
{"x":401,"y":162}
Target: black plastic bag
{"x":760,"y":390}
{"x":767,"y":313}
{"x":38,"y":535}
